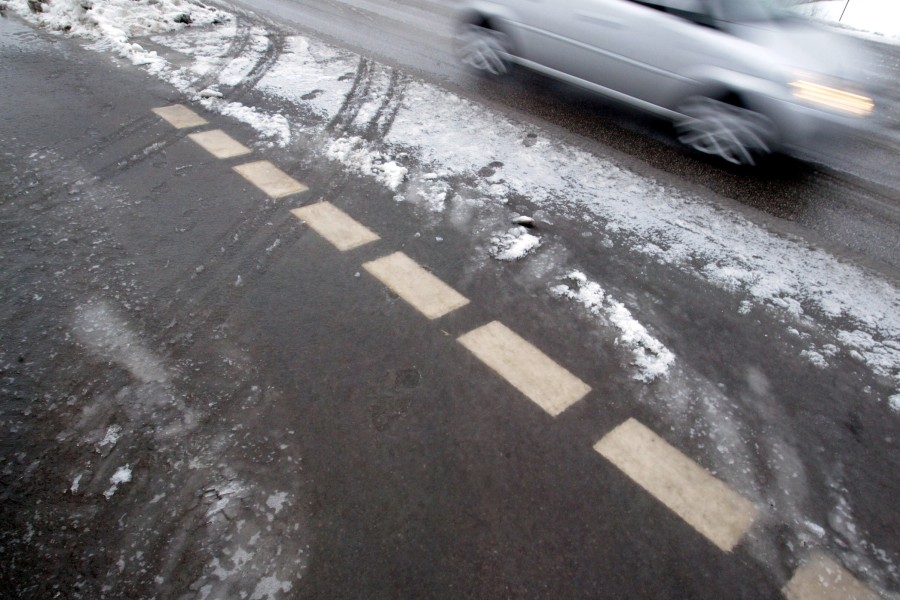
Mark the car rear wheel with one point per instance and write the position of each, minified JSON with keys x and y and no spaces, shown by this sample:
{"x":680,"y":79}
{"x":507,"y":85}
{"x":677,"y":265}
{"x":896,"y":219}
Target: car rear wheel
{"x":484,"y":49}
{"x":725,"y":129}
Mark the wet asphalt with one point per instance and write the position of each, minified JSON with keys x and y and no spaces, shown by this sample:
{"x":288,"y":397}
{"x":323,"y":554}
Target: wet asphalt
{"x":245,"y":360}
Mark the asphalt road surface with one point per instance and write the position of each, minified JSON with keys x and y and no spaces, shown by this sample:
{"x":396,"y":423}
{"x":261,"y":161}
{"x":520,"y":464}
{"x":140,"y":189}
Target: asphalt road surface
{"x":207,"y":394}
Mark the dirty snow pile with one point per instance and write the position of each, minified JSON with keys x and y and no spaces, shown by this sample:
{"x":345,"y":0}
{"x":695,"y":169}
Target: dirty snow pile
{"x":112,"y":23}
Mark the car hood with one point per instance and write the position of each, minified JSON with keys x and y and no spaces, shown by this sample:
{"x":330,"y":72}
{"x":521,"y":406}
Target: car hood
{"x":801,"y":45}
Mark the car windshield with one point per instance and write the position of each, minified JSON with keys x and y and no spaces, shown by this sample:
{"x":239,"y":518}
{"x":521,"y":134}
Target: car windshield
{"x":744,"y":11}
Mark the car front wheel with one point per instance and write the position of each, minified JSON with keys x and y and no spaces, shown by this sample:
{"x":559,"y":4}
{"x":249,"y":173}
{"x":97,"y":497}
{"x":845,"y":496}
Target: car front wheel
{"x":725,"y":129}
{"x":483,"y":49}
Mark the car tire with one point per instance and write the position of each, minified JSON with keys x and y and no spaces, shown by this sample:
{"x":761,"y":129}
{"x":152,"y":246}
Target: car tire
{"x":726,"y":129}
{"x":484,"y":49}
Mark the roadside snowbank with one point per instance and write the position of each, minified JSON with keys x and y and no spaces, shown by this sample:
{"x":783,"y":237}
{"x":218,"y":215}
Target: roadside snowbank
{"x":878,"y":17}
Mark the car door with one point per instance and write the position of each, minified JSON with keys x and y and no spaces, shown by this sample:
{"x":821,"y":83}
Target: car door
{"x":672,"y":43}
{"x":548,"y":33}
{"x":611,"y":43}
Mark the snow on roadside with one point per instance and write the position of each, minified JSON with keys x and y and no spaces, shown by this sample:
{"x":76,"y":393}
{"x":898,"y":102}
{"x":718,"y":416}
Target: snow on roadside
{"x":878,"y":17}
{"x":357,"y":155}
{"x":651,"y":357}
{"x":716,"y":244}
{"x":113,"y":23}
{"x":273,"y":127}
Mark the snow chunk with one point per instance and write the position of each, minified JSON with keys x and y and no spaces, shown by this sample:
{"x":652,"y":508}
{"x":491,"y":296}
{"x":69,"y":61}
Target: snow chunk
{"x":815,"y":358}
{"x":122,"y":475}
{"x":268,"y":587}
{"x":113,"y":433}
{"x":651,"y":357}
{"x":276,"y":501}
{"x":514,"y":245}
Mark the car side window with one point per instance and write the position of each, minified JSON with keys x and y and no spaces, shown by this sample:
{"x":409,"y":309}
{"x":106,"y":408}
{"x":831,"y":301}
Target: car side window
{"x":696,"y":11}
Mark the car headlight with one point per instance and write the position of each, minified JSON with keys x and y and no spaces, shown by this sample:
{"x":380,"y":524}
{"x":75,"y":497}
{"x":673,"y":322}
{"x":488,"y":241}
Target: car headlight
{"x":828,"y":96}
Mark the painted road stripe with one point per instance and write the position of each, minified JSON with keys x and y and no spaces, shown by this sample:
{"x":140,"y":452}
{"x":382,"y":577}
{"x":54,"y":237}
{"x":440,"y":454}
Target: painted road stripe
{"x":425,"y":292}
{"x":706,"y":503}
{"x":270,"y":179}
{"x":335,"y":225}
{"x":820,"y":578}
{"x":528,"y":369}
{"x":180,"y":116}
{"x":220,"y":144}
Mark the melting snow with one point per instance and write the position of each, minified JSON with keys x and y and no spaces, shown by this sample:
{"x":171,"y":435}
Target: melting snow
{"x":276,"y":501}
{"x":651,"y":357}
{"x":515,"y":244}
{"x":354,"y":153}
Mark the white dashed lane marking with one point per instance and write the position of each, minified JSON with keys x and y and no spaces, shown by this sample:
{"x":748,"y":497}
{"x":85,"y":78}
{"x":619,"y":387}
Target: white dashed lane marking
{"x":820,"y":578}
{"x":180,"y":116}
{"x":335,"y":225}
{"x":528,"y":369}
{"x":270,"y":179}
{"x":707,"y":504}
{"x":425,"y":292}
{"x":220,"y":144}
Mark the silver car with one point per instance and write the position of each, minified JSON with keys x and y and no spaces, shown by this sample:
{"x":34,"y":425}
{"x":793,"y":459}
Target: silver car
{"x":739,"y":78}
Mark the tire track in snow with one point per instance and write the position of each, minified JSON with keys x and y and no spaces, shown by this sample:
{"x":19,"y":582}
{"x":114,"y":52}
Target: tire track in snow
{"x":273,"y":53}
{"x":353,"y":101}
{"x":238,"y":46}
{"x":380,"y":124}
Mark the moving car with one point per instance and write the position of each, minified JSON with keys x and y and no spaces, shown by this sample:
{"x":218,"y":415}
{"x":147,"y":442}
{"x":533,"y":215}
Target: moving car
{"x":739,"y":78}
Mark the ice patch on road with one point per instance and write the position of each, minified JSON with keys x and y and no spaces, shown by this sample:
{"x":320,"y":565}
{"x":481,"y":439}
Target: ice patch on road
{"x":98,"y":327}
{"x":276,"y":501}
{"x":651,"y":358}
{"x":259,"y":557}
